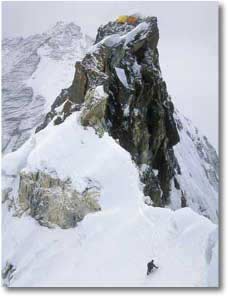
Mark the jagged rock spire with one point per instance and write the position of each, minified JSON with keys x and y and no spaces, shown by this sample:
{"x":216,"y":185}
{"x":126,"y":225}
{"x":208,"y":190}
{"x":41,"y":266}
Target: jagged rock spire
{"x":120,"y":89}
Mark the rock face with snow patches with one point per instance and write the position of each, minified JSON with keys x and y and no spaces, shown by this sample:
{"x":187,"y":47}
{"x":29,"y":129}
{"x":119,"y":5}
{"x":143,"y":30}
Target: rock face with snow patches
{"x":52,"y":201}
{"x":119,"y":88}
{"x":32,"y":67}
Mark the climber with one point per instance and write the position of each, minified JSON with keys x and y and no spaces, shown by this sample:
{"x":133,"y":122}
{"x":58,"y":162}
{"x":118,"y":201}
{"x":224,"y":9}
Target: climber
{"x":150,"y":267}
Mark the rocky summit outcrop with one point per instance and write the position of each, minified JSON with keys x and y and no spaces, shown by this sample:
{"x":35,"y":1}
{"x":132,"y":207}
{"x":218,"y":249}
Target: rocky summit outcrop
{"x":119,"y":88}
{"x":52,"y":201}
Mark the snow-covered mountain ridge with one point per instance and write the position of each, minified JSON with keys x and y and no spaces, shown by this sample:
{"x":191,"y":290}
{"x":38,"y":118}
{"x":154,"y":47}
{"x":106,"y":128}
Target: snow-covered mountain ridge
{"x":126,"y":232}
{"x":35,"y":69}
{"x":115,"y":159}
{"x":119,"y":88}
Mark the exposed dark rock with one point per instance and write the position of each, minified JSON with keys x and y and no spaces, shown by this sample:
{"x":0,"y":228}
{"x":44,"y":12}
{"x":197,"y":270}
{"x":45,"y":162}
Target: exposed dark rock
{"x":79,"y":84}
{"x":183,"y":199}
{"x":64,"y":95}
{"x":58,"y":120}
{"x":152,"y":186}
{"x":8,"y":273}
{"x":176,"y":184}
{"x":59,"y":116}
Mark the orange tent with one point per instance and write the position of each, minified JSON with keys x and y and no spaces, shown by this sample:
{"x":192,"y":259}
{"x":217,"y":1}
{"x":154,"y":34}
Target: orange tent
{"x":132,"y":20}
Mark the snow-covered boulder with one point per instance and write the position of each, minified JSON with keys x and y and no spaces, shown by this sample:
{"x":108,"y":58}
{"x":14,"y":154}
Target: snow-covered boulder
{"x":52,"y":201}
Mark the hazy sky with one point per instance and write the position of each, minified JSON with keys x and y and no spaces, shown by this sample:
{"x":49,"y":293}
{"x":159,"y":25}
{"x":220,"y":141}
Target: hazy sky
{"x":188,"y":44}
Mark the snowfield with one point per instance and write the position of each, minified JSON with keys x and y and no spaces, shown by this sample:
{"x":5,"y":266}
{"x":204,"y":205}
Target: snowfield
{"x":110,"y":248}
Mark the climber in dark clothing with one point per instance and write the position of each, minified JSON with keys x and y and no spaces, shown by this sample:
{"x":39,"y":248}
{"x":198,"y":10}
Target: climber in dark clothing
{"x":150,"y":267}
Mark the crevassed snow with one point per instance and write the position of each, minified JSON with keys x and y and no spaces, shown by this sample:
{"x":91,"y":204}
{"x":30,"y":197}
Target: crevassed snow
{"x":111,"y":247}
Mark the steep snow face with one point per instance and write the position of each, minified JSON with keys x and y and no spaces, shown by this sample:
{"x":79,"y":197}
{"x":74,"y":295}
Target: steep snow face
{"x":199,"y":177}
{"x":35,"y":69}
{"x":109,"y":248}
{"x":80,"y":155}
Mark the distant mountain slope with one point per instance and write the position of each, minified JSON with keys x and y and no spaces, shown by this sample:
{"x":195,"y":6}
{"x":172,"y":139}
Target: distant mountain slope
{"x":34,"y":71}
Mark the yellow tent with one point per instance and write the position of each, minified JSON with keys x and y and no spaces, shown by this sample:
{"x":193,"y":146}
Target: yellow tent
{"x":122,"y":19}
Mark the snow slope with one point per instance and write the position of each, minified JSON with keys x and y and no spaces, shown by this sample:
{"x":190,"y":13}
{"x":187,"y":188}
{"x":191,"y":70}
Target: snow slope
{"x":108,"y":248}
{"x":212,"y":255}
{"x":35,"y":69}
{"x":111,"y":248}
{"x":199,"y":177}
